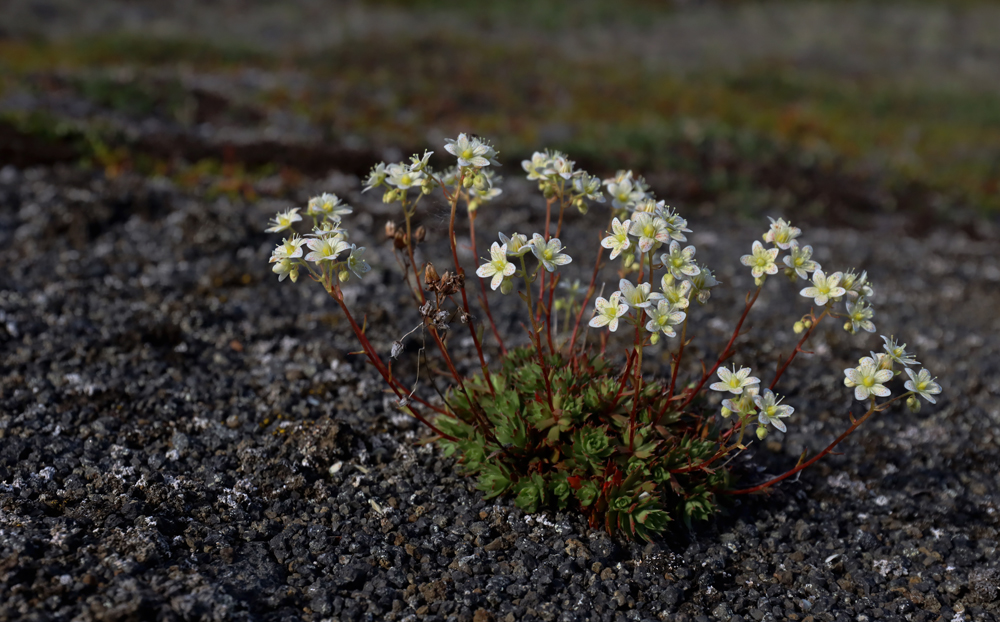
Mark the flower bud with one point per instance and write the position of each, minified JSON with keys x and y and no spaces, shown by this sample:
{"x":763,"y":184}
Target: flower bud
{"x":849,"y":327}
{"x":807,"y":323}
{"x":479,"y":181}
{"x":549,"y":192}
{"x":390,"y":229}
{"x":759,"y":280}
{"x":580,"y":205}
{"x":761,"y":432}
{"x":726,"y":412}
{"x":420,"y":233}
{"x":654,"y":338}
{"x":431,"y":275}
{"x":467,"y":181}
{"x":294,"y":274}
{"x":913,"y":404}
{"x":798,"y":327}
{"x":506,"y":286}
{"x":389,"y":196}
{"x":399,"y":241}
{"x":790,"y":274}
{"x":343,"y":276}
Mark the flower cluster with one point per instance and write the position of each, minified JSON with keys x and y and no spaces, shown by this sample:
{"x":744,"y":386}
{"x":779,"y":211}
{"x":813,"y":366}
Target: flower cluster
{"x":562,"y":423}
{"x":869,"y":377}
{"x":557,"y":175}
{"x":327,"y":243}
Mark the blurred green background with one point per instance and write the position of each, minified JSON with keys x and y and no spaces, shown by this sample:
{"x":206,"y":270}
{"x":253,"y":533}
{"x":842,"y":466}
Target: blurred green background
{"x":809,"y":106}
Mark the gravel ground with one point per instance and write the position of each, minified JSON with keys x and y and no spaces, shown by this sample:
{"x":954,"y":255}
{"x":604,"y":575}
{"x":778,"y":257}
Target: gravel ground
{"x":184,"y":438}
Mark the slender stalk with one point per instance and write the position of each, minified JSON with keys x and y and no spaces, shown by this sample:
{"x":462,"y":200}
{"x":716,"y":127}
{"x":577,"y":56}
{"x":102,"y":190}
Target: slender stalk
{"x":726,"y":352}
{"x":586,"y":300}
{"x":409,"y":250}
{"x":465,"y":299}
{"x":382,"y":369}
{"x":536,"y":338}
{"x":798,"y":348}
{"x":482,"y":286}
{"x":854,"y":426}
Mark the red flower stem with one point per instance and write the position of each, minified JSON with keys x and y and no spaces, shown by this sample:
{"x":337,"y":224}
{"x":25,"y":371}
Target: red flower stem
{"x":552,"y":286}
{"x":726,"y":352}
{"x":586,"y":300}
{"x":829,"y":448}
{"x":798,"y":348}
{"x":465,"y":298}
{"x":382,"y":369}
{"x":482,"y":286}
{"x":673,"y":374}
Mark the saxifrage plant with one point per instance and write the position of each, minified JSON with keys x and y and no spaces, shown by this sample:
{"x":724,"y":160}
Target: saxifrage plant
{"x":561,"y":423}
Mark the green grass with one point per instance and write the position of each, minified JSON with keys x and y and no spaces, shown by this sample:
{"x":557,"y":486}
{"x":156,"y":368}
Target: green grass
{"x":393,"y":91}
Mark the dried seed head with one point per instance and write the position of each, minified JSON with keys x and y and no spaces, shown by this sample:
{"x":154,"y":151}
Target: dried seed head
{"x":450,"y":284}
{"x":431,"y":276}
{"x":399,"y":239}
{"x":390,"y":229}
{"x":397,"y":347}
{"x":420,"y":233}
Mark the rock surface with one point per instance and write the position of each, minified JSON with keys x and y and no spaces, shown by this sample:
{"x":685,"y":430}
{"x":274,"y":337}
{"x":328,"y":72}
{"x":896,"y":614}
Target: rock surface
{"x":184,"y":438}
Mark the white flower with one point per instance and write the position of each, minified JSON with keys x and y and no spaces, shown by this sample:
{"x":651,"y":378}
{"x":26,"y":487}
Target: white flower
{"x":824,"y":287}
{"x":498,"y":267}
{"x":703,"y":282}
{"x":486,"y":190}
{"x":771,"y":410}
{"x":742,"y":404}
{"x":800,"y":260}
{"x":618,"y":240}
{"x":922,"y":384}
{"x":288,"y":249}
{"x":608,"y":312}
{"x":326,"y":248}
{"x":857,"y":286}
{"x":537,"y":166}
{"x":356,"y":261}
{"x":284,"y":220}
{"x":562,"y":166}
{"x":734,"y":381}
{"x":285,"y":268}
{"x":761,"y":261}
{"x":675,"y":291}
{"x":549,"y":253}
{"x":376,"y":177}
{"x":517,"y":245}
{"x":403,"y":177}
{"x":649,"y":229}
{"x":860,"y":314}
{"x":636,"y":296}
{"x":471,"y":151}
{"x":624,"y":190}
{"x":781,"y":233}
{"x":328,"y":228}
{"x":679,"y":262}
{"x":867,"y":379}
{"x":327,"y":204}
{"x":676,"y":225}
{"x":898,"y":352}
{"x":419,"y":163}
{"x":663,"y":318}
{"x":588,"y":187}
